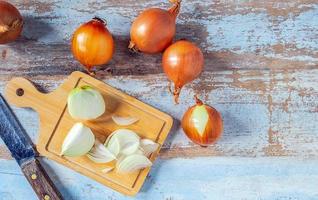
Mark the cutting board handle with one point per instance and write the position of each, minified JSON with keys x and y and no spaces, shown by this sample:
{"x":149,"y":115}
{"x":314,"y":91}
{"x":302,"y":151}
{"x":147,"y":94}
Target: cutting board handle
{"x":22,"y":93}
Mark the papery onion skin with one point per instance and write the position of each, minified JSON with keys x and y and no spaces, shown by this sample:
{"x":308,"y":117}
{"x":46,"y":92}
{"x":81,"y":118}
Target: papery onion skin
{"x":93,"y":44}
{"x":11,"y":23}
{"x":182,"y":62}
{"x":213,"y":129}
{"x":154,"y":29}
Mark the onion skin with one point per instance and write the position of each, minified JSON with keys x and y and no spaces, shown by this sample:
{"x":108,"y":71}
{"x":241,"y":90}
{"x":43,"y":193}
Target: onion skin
{"x":11,"y":23}
{"x":212,"y":131}
{"x":154,"y":29}
{"x":182,"y":62}
{"x":93,"y":44}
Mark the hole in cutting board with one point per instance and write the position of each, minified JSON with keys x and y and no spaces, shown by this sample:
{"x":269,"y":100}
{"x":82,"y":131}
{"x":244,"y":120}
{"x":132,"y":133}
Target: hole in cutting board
{"x":19,"y":92}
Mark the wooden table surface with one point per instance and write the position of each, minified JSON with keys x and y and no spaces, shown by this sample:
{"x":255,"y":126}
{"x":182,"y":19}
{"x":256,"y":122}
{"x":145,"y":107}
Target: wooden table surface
{"x":261,"y":73}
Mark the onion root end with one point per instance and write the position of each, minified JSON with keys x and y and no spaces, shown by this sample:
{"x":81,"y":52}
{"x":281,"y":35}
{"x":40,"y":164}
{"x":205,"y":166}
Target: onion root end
{"x":132,"y":47}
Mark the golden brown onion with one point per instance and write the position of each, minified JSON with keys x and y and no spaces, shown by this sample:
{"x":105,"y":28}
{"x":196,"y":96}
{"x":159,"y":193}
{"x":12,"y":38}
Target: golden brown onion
{"x":182,"y":62}
{"x":202,"y":124}
{"x":93,"y":44}
{"x":11,"y":22}
{"x":153,"y":30}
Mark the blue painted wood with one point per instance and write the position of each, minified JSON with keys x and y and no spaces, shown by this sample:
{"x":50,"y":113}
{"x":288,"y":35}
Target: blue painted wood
{"x":186,"y":179}
{"x":260,"y":73}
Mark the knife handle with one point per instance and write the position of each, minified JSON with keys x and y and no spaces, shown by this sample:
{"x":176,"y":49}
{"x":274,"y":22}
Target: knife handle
{"x":40,"y":181}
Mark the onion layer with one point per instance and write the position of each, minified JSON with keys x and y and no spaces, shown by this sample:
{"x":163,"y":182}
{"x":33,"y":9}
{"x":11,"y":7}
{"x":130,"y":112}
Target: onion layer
{"x":132,"y":163}
{"x":153,"y":30}
{"x":11,"y":22}
{"x":79,"y":140}
{"x":93,"y":44}
{"x":202,"y":123}
{"x":182,"y":62}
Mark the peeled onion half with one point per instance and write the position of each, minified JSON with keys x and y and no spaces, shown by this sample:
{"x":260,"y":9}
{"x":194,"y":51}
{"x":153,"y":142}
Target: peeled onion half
{"x":85,"y":103}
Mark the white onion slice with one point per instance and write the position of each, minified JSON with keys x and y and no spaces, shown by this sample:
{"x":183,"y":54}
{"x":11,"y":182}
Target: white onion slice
{"x":133,"y":163}
{"x":128,"y":141}
{"x":100,"y":154}
{"x":148,"y":146}
{"x":107,"y":170}
{"x":130,"y":148}
{"x":124,"y":121}
{"x":140,"y":151}
{"x":79,"y":140}
{"x":114,"y":146}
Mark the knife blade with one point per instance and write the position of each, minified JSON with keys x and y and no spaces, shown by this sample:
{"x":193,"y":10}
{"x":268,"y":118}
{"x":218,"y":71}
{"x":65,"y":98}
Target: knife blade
{"x":22,"y":149}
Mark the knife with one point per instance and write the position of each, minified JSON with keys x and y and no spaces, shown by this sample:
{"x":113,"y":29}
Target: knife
{"x":22,"y":150}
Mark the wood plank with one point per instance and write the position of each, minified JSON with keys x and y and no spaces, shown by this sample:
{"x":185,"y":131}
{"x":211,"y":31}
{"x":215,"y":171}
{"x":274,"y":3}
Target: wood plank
{"x":233,"y":35}
{"x":205,"y":178}
{"x":260,"y":73}
{"x":265,"y":112}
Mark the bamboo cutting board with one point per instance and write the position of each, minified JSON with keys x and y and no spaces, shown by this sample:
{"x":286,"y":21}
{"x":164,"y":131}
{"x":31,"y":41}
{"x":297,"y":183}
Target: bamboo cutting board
{"x":55,"y":122}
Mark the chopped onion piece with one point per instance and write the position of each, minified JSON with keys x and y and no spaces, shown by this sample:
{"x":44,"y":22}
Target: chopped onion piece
{"x":79,"y":140}
{"x":133,"y":163}
{"x":140,"y":151}
{"x":130,"y":148}
{"x":128,"y":141}
{"x":107,"y":169}
{"x":100,"y":154}
{"x":148,"y":146}
{"x":114,"y":147}
{"x":124,"y":121}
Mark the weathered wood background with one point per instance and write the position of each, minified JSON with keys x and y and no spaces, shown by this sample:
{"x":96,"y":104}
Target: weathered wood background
{"x":261,"y":73}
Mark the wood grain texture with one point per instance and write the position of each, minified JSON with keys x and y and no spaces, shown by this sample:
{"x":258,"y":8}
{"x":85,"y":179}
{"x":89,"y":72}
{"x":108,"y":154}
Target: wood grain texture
{"x":234,"y":178}
{"x":40,"y":181}
{"x":261,"y":69}
{"x":55,"y":123}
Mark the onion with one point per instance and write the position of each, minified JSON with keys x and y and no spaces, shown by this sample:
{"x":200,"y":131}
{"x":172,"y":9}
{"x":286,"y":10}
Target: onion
{"x":107,"y":170}
{"x":79,"y":140}
{"x":124,"y":121}
{"x":85,"y":103}
{"x":148,"y":146}
{"x":202,"y":123}
{"x":132,"y":163}
{"x":93,"y":44}
{"x":182,"y":62}
{"x":114,"y":146}
{"x":128,"y":141}
{"x":153,"y":30}
{"x":11,"y":22}
{"x":100,"y":154}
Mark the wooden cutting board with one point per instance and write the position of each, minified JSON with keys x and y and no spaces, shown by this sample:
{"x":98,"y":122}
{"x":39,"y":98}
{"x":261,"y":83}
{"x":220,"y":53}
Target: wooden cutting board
{"x":55,"y":122}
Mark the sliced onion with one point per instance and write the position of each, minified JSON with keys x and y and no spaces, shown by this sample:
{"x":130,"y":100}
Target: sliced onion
{"x":130,"y":148}
{"x":107,"y":170}
{"x":79,"y":140}
{"x":100,"y":154}
{"x":148,"y":146}
{"x":133,"y":163}
{"x":128,"y":141}
{"x":140,"y":151}
{"x":114,"y":147}
{"x":124,"y":121}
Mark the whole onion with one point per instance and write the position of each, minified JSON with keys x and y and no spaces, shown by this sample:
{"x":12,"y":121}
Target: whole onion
{"x":182,"y":62}
{"x":153,"y":30}
{"x":202,"y":124}
{"x":93,"y":44}
{"x":11,"y":22}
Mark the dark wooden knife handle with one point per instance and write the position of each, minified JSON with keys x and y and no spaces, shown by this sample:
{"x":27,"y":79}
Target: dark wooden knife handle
{"x":40,"y":181}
